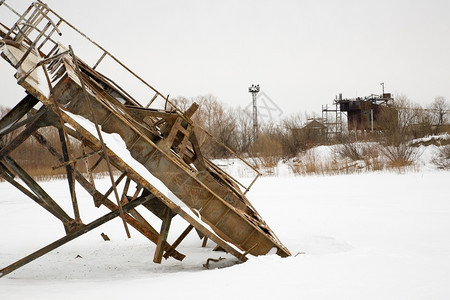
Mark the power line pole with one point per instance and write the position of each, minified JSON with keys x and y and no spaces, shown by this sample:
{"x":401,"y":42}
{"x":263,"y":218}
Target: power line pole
{"x":254,"y":89}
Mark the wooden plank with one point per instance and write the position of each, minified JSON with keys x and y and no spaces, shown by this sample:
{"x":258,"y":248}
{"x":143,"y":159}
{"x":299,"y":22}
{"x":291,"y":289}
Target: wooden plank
{"x":15,"y":114}
{"x":100,"y":137}
{"x":178,"y":241}
{"x":70,"y":237}
{"x":38,"y":121}
{"x":66,"y":150}
{"x":97,"y":163}
{"x":143,"y":227}
{"x":76,"y":159}
{"x":4,"y":172}
{"x":92,"y":142}
{"x":50,"y":204}
{"x":165,"y":226}
{"x":136,"y":214}
{"x":206,"y":232}
{"x":86,"y":163}
{"x":121,"y":177}
{"x":151,"y":101}
{"x":125,"y":190}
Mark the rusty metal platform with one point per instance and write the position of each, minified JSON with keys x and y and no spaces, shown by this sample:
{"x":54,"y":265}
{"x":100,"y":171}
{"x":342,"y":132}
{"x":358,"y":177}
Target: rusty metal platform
{"x":164,"y":144}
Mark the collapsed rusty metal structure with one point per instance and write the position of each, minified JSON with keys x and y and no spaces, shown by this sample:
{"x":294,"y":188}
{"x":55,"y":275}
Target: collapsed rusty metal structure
{"x":363,"y":113}
{"x":163,"y":144}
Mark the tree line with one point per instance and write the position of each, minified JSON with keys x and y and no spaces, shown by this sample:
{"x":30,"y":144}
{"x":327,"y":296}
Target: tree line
{"x":283,"y":139}
{"x":400,"y":122}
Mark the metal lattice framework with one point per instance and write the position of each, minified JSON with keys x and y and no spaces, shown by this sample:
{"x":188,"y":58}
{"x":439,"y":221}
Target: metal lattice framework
{"x":164,"y":144}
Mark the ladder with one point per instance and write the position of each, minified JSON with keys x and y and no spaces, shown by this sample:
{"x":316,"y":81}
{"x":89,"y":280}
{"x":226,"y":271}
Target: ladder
{"x":162,"y":147}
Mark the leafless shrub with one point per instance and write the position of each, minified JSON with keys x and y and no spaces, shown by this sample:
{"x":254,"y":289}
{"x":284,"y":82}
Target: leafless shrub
{"x":357,"y":156}
{"x":442,"y":159}
{"x":353,"y":151}
{"x":401,"y":155}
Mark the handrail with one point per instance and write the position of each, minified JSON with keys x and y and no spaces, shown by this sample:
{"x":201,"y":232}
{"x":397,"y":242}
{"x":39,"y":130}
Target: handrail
{"x":121,"y":64}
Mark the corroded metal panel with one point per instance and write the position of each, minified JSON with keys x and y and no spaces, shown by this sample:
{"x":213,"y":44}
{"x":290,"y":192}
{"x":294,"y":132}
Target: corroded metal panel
{"x":163,"y":141}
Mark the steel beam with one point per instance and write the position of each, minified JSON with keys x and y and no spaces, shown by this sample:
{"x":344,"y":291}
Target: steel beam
{"x":143,"y":227}
{"x":69,"y":170}
{"x":41,"y":119}
{"x":50,"y":204}
{"x":80,"y":231}
{"x":163,"y":235}
{"x":15,"y":114}
{"x":92,"y":142}
{"x":178,"y":241}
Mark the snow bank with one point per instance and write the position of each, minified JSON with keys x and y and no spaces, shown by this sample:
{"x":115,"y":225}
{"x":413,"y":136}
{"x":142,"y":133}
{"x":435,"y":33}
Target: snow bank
{"x":373,"y":235}
{"x":364,"y":236}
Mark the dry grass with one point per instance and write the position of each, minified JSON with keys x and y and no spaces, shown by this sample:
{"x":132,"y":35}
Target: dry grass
{"x":355,"y":158}
{"x":309,"y":163}
{"x":40,"y":164}
{"x":266,"y":153}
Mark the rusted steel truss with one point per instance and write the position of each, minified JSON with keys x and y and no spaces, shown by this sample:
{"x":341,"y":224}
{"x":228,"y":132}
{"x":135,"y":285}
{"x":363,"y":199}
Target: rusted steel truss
{"x":163,"y":144}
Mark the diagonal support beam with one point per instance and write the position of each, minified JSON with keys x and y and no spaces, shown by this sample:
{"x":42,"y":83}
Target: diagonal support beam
{"x":15,"y":114}
{"x":50,"y":204}
{"x":165,"y":226}
{"x":143,"y":227}
{"x":4,"y":172}
{"x":178,"y":241}
{"x":100,"y":137}
{"x":76,"y":159}
{"x":70,"y":237}
{"x":92,"y":142}
{"x":41,"y":119}
{"x":116,"y":183}
{"x":66,"y":150}
{"x":86,"y":163}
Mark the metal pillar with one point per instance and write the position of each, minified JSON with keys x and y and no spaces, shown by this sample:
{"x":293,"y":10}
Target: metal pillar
{"x":163,"y":140}
{"x":254,"y":90}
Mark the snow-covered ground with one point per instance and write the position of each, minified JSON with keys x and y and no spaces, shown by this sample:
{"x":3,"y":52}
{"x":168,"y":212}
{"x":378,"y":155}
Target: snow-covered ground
{"x":364,"y":236}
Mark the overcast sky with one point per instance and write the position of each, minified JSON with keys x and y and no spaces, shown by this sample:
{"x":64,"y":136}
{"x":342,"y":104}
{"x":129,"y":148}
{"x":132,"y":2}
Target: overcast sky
{"x":301,"y":53}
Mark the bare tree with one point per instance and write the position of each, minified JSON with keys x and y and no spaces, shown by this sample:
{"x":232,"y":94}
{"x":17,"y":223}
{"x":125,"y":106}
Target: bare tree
{"x":440,"y":108}
{"x":181,"y":102}
{"x":397,"y":121}
{"x":399,"y":124}
{"x":244,"y":130}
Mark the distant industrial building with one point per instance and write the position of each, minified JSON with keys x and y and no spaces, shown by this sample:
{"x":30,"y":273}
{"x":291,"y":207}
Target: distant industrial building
{"x":363,"y":113}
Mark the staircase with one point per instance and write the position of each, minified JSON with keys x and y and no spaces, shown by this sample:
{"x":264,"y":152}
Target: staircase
{"x":165,"y":145}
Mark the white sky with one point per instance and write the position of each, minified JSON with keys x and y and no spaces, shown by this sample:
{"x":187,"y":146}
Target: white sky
{"x":301,"y":53}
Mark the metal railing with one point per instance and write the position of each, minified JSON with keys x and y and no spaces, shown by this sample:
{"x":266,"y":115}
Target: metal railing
{"x":29,"y":23}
